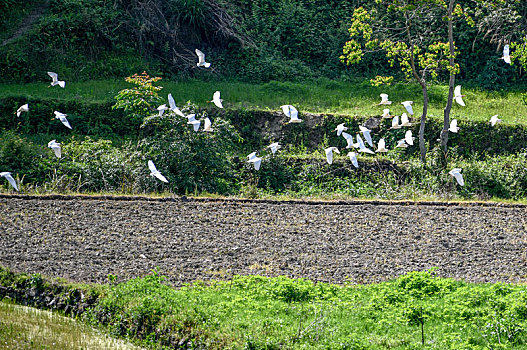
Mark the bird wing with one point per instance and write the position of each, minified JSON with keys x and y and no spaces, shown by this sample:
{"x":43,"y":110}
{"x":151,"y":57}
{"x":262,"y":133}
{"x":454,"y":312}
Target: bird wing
{"x":216,"y":99}
{"x":367,"y":136}
{"x":360,"y":142}
{"x":457,"y":90}
{"x":65,"y":122}
{"x":459,"y":178}
{"x":58,"y":151}
{"x":53,"y":76}
{"x":408,"y":106}
{"x":395,"y":121}
{"x":381,"y":144}
{"x":349,"y":139}
{"x":160,"y":176}
{"x":408,"y":137}
{"x":11,"y":180}
{"x":287,"y":110}
{"x":257,"y":162}
{"x":329,"y":154}
{"x":506,"y":52}
{"x":171,"y":102}
{"x":208,"y":124}
{"x":201,"y":56}
{"x":152,"y":167}
{"x":459,"y":101}
{"x":353,"y":158}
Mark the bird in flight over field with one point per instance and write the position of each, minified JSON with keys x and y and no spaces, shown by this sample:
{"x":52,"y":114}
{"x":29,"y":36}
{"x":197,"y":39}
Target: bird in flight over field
{"x":458,"y":97}
{"x":155,"y":172}
{"x":257,"y":161}
{"x":456,"y":172}
{"x":494,"y":120}
{"x":23,"y":108}
{"x":55,"y":80}
{"x":408,"y":106}
{"x":506,"y":55}
{"x":384,"y":100}
{"x":201,"y":59}
{"x":62,"y":118}
{"x":292,"y":113}
{"x":329,"y":153}
{"x":55,"y":146}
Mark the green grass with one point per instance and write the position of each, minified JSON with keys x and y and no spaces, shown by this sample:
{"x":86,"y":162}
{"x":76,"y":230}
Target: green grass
{"x":22,"y":327}
{"x":254,"y":312}
{"x":320,"y":96}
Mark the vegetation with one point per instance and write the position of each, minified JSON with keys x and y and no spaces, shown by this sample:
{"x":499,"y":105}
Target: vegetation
{"x":416,"y":310}
{"x":22,"y":327}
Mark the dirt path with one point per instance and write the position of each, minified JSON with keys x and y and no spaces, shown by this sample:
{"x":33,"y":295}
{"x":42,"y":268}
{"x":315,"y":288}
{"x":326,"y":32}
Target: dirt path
{"x":85,"y":240}
{"x":27,"y":22}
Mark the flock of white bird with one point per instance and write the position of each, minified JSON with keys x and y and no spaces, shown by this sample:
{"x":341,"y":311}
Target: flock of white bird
{"x":292,"y":113}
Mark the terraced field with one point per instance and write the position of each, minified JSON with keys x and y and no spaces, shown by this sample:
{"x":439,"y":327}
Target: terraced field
{"x":87,"y":238}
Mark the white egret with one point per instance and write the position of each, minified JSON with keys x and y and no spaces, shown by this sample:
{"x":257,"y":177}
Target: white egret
{"x":55,"y":146}
{"x":456,"y":172}
{"x":208,"y":125}
{"x":360,"y":145}
{"x":381,"y":146}
{"x":453,"y":126}
{"x":55,"y":81}
{"x":405,"y":121}
{"x":292,"y":113}
{"x":192,"y":121}
{"x":458,"y":97}
{"x":401,"y":144}
{"x":23,"y":108}
{"x":384,"y":100}
{"x":340,"y":128}
{"x":395,"y":123}
{"x":408,"y":106}
{"x":162,"y":109}
{"x":173,"y":106}
{"x":506,"y":54}
{"x":349,"y":139}
{"x":386,"y":113}
{"x":494,"y":120}
{"x":408,"y":138}
{"x":257,"y":161}
{"x":155,"y":172}
{"x":217,"y":100}
{"x":329,"y":153}
{"x":201,"y":59}
{"x":353,"y":158}
{"x":9,"y":178}
{"x":62,"y":118}
{"x":275,"y":146}
{"x":366,"y":132}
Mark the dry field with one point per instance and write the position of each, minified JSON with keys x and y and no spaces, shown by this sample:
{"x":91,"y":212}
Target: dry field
{"x":85,"y":239}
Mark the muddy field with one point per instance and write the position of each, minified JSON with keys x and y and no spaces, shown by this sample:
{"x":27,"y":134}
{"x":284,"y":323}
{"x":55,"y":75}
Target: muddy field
{"x":87,"y":239}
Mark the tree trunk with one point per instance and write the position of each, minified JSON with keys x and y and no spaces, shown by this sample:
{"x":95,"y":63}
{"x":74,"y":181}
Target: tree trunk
{"x":422,"y":146}
{"x":451,"y":82}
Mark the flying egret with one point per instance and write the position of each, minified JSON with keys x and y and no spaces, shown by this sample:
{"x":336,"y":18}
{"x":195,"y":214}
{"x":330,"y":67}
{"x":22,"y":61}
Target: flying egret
{"x":349,"y":139}
{"x":494,"y":120}
{"x":340,"y":128}
{"x":401,"y":144}
{"x":458,"y":97}
{"x":404,"y":120}
{"x":55,"y":81}
{"x":173,"y":106}
{"x":24,"y":108}
{"x":55,"y":146}
{"x":506,"y":55}
{"x":329,"y":153}
{"x":386,"y":113}
{"x":208,"y":125}
{"x":366,"y":132}
{"x":384,"y":100}
{"x":192,"y":121}
{"x":274,"y":147}
{"x":395,"y":123}
{"x":381,"y":146}
{"x":162,"y":109}
{"x":408,"y":138}
{"x":456,"y":172}
{"x":201,"y":59}
{"x":292,"y":113}
{"x":155,"y":172}
{"x":353,"y":158}
{"x":453,"y":126}
{"x":408,"y":106}
{"x":360,"y":145}
{"x":9,"y":178}
{"x":257,"y":161}
{"x":62,"y":118}
{"x":217,"y":100}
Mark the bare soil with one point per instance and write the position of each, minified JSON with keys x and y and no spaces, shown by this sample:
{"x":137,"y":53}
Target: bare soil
{"x":86,"y":239}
